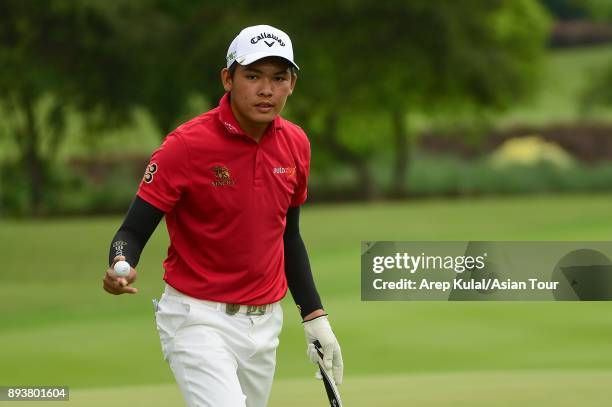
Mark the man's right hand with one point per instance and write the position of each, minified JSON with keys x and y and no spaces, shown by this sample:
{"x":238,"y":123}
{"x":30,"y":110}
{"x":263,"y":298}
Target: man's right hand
{"x":113,"y":284}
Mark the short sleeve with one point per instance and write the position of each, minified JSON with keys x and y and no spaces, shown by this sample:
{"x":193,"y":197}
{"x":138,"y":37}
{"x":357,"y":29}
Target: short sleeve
{"x":303,"y":171}
{"x":166,"y":176}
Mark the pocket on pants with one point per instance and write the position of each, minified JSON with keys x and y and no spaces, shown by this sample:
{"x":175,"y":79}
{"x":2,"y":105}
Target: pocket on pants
{"x":278,"y":326}
{"x":171,"y":315}
{"x":280,"y":318}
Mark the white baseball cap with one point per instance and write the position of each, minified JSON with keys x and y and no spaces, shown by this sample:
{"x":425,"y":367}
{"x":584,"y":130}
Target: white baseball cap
{"x":257,"y":42}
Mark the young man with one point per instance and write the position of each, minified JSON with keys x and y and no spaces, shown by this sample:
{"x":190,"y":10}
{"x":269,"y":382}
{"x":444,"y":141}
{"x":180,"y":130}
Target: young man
{"x":230,"y":183}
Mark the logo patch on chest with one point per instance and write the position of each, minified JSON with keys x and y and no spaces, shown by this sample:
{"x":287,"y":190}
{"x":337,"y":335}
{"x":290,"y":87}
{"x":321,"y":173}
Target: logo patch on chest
{"x":287,"y":171}
{"x":222,"y":176}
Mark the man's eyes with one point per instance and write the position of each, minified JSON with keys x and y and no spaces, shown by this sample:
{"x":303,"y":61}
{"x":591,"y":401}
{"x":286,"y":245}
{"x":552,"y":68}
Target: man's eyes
{"x":277,"y":78}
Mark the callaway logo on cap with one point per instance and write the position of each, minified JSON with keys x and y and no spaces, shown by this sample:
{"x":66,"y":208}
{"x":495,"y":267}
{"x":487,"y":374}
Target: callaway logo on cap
{"x":257,"y":42}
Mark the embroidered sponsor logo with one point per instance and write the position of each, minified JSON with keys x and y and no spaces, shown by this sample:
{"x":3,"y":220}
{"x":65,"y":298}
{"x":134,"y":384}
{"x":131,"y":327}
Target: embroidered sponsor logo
{"x":288,"y":171}
{"x":231,"y":56}
{"x":222,"y":176}
{"x":118,"y":246}
{"x":268,"y":39}
{"x":148,"y":176}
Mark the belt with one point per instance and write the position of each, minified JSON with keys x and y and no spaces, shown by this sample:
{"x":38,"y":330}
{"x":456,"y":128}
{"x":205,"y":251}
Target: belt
{"x":230,"y":309}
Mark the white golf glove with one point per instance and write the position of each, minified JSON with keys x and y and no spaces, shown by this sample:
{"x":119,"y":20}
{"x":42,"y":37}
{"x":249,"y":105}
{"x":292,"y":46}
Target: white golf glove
{"x":319,"y":329}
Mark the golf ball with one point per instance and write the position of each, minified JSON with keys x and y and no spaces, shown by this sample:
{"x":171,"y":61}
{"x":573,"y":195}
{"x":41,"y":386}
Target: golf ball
{"x":122,"y":268}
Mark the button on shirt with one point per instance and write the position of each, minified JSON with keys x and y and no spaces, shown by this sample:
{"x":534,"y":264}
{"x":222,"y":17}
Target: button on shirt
{"x":226,"y":197}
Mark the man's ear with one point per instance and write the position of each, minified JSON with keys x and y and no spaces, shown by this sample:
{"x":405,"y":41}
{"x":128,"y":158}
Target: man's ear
{"x":293,"y":80}
{"x":226,"y":79}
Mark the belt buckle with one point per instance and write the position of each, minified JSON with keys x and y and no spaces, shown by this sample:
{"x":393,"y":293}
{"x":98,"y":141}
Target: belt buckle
{"x":256,"y":309}
{"x":231,"y":309}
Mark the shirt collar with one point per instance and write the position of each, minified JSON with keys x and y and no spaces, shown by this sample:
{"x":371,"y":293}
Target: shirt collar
{"x":228,"y":120}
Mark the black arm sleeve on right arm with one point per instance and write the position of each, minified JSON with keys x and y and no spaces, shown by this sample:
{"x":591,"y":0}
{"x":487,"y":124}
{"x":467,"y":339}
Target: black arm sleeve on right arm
{"x":139,"y":224}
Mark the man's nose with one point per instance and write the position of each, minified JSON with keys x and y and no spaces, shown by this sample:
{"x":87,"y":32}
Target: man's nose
{"x":266,"y":88}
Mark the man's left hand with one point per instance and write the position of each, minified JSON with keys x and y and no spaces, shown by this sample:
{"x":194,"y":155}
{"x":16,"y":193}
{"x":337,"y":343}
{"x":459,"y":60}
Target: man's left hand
{"x":319,"y":329}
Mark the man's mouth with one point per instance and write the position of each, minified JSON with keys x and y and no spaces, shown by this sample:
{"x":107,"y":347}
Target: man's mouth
{"x":264,"y":107}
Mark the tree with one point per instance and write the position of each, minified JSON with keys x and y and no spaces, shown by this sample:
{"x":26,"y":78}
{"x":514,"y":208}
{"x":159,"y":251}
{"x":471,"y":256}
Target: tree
{"x":361,"y":61}
{"x":55,"y":57}
{"x":98,"y":60}
{"x":567,"y":9}
{"x":389,"y":58}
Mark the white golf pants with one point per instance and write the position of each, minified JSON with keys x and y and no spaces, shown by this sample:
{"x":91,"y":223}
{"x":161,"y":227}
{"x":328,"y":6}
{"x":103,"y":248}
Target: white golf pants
{"x":218,"y":360}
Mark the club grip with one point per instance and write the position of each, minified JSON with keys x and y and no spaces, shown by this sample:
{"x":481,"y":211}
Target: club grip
{"x":330,"y":388}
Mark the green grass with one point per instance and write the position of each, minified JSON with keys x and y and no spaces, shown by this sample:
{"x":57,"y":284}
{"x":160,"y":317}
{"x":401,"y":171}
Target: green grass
{"x":474,"y":389}
{"x":59,"y":327}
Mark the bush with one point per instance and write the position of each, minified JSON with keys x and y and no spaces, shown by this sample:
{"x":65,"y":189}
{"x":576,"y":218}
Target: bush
{"x":70,"y":190}
{"x":67,"y":191}
{"x":432,"y":175}
{"x":14,"y":189}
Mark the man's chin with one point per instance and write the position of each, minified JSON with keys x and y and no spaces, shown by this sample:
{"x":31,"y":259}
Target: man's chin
{"x":263,"y":118}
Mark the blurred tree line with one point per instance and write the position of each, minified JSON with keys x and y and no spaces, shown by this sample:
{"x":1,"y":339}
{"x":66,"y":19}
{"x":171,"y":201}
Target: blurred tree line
{"x":578,"y":9}
{"x":362,"y":62}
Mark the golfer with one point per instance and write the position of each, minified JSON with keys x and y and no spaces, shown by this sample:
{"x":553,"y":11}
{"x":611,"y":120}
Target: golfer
{"x":230,"y":183}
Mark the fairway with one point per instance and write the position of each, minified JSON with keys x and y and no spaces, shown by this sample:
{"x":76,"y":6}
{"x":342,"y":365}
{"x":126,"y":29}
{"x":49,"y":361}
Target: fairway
{"x":499,"y":389}
{"x":59,"y":327}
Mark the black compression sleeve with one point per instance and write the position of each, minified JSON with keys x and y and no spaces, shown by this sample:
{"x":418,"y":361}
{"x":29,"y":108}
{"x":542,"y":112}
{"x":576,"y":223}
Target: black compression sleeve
{"x":297,"y":267}
{"x":139,"y":224}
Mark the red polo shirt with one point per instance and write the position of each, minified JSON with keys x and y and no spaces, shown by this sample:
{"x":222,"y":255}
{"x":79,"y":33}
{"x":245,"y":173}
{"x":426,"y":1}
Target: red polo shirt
{"x":226,"y":197}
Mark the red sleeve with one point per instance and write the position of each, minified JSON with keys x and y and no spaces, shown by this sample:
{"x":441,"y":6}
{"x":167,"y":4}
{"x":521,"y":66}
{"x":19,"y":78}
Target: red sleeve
{"x":166,"y":175}
{"x":303,"y":171}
